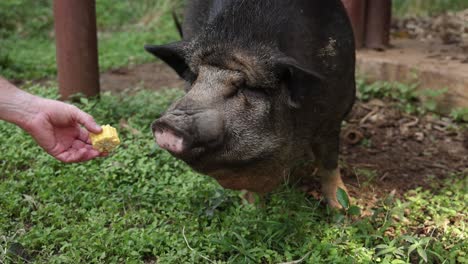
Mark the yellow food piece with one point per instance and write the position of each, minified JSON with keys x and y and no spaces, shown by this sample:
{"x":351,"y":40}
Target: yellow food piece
{"x":107,"y":140}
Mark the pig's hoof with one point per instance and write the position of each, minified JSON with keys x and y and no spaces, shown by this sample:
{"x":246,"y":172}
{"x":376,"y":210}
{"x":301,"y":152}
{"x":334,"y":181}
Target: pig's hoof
{"x":332,"y":199}
{"x":331,"y":182}
{"x":334,"y":204}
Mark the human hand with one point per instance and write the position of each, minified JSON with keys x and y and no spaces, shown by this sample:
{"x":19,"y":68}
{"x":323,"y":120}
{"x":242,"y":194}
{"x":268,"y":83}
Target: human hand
{"x":56,"y":127}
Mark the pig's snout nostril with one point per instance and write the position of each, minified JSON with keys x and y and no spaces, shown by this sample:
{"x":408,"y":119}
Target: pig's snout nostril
{"x":170,"y":138}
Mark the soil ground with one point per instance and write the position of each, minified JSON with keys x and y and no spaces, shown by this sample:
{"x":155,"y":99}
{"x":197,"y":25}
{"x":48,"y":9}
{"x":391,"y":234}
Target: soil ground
{"x":429,"y":51}
{"x":152,"y":76}
{"x":444,"y":36}
{"x":386,"y":150}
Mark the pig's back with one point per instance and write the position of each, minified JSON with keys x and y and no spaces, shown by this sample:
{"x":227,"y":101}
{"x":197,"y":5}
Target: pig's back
{"x":299,"y":28}
{"x":199,"y":13}
{"x":317,"y":33}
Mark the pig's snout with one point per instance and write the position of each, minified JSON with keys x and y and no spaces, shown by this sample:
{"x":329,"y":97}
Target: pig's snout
{"x":187,"y":133}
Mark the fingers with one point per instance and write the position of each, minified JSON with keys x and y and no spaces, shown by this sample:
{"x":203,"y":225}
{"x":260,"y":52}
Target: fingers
{"x":79,"y":152}
{"x":90,"y":154}
{"x":78,"y":155}
{"x":84,"y":136}
{"x":72,"y":155}
{"x":87,"y":121}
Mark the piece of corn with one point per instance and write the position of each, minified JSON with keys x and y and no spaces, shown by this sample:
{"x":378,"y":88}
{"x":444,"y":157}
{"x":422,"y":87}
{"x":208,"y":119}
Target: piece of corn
{"x":107,"y":140}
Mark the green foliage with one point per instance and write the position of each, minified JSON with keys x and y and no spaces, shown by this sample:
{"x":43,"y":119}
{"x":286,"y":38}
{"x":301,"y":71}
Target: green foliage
{"x":460,"y":114}
{"x":427,"y":7}
{"x":26,"y":34}
{"x":141,"y":205}
{"x":390,"y":251}
{"x":402,"y":93}
{"x":406,"y":96}
{"x":342,"y":198}
{"x":25,"y":18}
{"x":365,"y":176}
{"x":348,"y":209}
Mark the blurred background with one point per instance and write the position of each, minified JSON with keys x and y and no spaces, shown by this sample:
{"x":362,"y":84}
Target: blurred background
{"x":26,"y":33}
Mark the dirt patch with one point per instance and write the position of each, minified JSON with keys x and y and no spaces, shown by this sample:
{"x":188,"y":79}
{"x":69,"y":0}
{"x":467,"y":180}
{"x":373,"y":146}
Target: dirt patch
{"x":385,"y":150}
{"x":445,"y":35}
{"x":152,"y":76}
{"x":429,"y":51}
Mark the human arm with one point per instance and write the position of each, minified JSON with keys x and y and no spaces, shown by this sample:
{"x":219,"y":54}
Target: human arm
{"x":54,"y":125}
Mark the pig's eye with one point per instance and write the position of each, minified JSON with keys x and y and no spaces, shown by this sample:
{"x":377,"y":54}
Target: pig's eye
{"x":190,"y":77}
{"x":254,"y":91}
{"x":238,"y":84}
{"x":189,"y":81}
{"x":235,"y":87}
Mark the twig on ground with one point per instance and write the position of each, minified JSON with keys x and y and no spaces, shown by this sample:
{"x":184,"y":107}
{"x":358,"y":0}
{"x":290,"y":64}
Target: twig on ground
{"x":384,"y":176}
{"x":297,"y":261}
{"x":371,"y":113}
{"x":186,"y":241}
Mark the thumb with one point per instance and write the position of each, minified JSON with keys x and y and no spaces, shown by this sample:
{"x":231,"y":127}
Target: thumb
{"x":87,"y":121}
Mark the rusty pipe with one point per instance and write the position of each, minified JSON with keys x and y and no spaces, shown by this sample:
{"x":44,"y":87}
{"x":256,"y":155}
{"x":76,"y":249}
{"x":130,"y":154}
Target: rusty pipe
{"x":356,"y":10}
{"x":379,"y":15}
{"x":353,"y":136}
{"x":76,"y":47}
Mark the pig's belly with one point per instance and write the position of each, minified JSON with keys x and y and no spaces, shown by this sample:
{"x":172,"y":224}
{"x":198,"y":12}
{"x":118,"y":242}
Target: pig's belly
{"x":259,"y":180}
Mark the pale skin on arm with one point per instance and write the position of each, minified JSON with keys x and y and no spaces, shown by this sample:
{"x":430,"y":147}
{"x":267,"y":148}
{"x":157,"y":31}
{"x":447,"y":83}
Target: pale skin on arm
{"x":61,"y":129}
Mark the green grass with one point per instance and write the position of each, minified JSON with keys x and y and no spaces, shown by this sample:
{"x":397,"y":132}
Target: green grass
{"x":28,"y":49}
{"x":404,"y":95}
{"x":140,"y":204}
{"x":427,"y":7}
{"x":410,"y":99}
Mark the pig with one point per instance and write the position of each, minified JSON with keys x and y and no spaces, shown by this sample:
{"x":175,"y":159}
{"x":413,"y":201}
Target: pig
{"x":268,"y":84}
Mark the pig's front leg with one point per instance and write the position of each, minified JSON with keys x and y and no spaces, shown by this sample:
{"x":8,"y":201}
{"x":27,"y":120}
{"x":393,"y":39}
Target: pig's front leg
{"x":331,"y":181}
{"x":326,"y":158}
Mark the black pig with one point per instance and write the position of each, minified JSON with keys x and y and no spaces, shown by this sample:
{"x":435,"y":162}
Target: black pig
{"x":268,"y":84}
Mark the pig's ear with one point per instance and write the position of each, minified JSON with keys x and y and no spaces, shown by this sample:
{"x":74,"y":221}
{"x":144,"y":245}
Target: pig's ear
{"x":299,"y":79}
{"x":174,"y":55}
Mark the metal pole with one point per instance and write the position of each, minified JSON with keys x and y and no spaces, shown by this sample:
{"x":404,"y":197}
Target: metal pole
{"x":379,"y":15}
{"x":357,"y":14}
{"x":76,"y":41}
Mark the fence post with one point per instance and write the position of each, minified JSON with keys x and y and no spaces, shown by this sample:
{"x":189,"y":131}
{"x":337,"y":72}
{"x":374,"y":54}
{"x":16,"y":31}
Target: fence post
{"x":357,"y":14}
{"x":76,"y":47}
{"x":379,"y":15}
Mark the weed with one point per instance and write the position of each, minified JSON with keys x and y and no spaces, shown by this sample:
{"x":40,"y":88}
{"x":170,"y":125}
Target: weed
{"x":460,"y":114}
{"x":427,"y":7}
{"x":405,"y":96}
{"x":389,"y":251}
{"x":366,"y":142}
{"x":368,"y":175}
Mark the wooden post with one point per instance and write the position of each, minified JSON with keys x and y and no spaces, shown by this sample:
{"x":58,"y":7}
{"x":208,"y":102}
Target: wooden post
{"x":357,"y":13}
{"x":76,"y":45}
{"x":379,"y":15}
